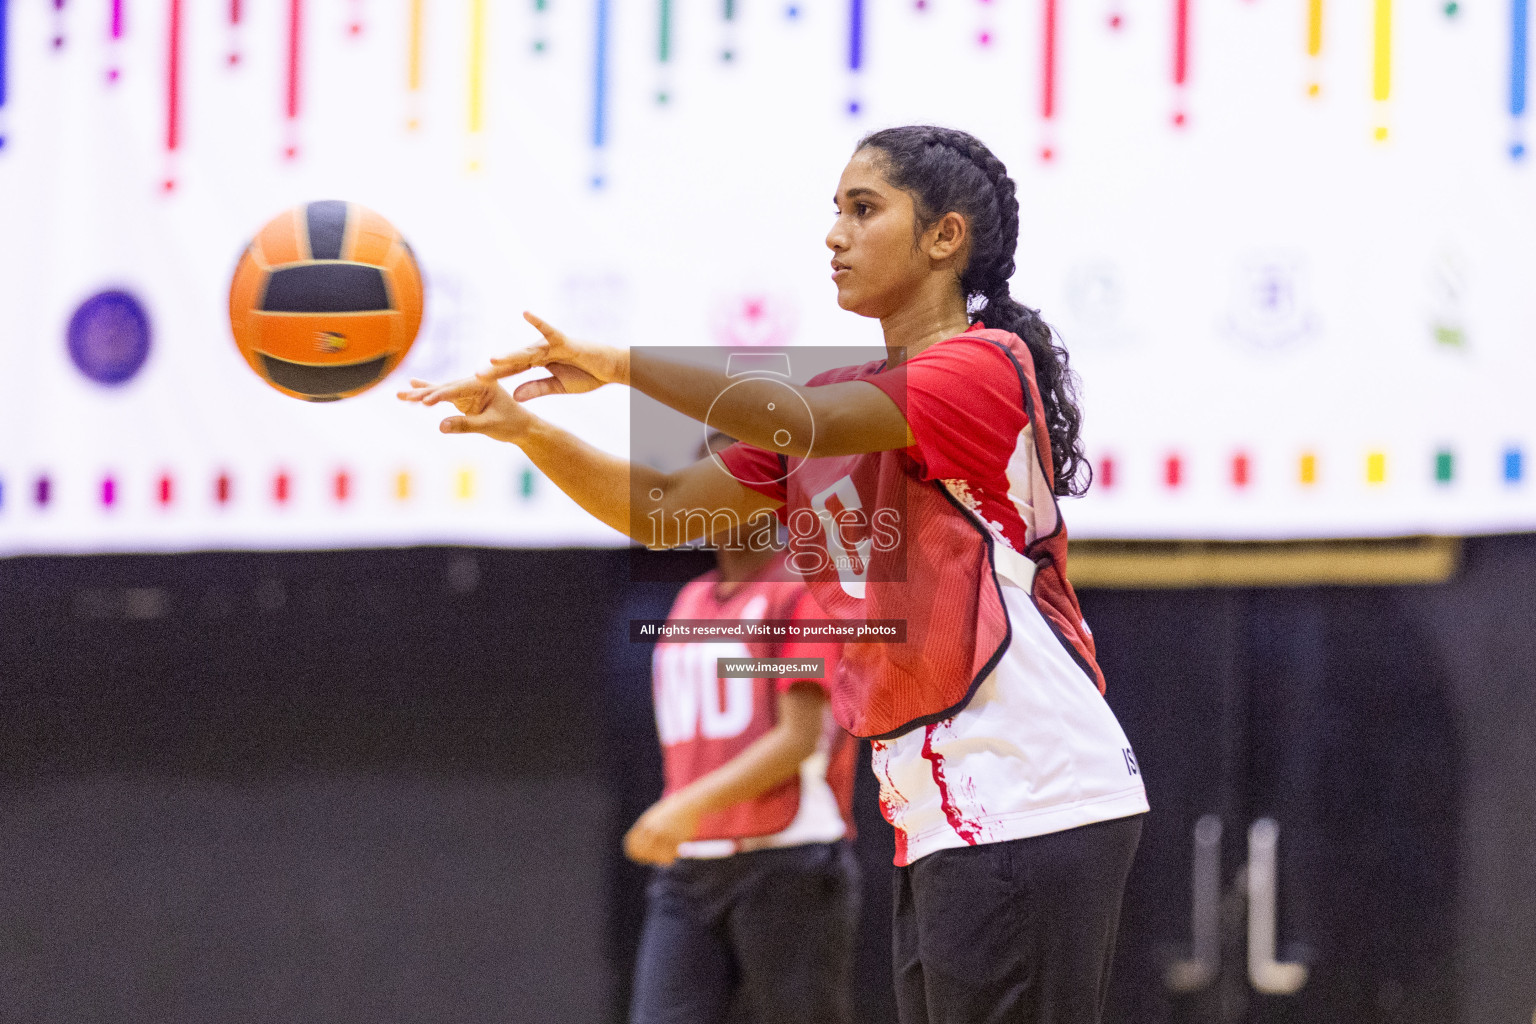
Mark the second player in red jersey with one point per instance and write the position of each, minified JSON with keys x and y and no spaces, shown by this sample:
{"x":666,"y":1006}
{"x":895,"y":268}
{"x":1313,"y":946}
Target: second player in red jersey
{"x":755,"y":899}
{"x":705,"y":721}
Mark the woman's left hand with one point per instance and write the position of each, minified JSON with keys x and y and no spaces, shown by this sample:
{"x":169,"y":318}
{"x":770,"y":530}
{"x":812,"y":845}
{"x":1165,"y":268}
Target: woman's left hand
{"x":655,"y":837}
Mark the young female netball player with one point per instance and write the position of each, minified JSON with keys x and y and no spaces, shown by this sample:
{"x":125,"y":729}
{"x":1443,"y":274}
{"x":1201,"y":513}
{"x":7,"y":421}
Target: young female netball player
{"x":1014,"y":794}
{"x":757,"y":893}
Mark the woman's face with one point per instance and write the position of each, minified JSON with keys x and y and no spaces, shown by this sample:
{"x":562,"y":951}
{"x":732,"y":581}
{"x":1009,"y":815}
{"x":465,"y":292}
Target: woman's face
{"x":876,"y":260}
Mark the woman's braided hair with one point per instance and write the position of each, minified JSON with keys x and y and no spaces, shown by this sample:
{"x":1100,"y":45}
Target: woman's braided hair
{"x":945,"y":170}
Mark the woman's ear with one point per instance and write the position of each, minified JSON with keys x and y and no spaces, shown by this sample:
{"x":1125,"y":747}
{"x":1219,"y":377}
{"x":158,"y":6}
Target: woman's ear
{"x":947,"y":236}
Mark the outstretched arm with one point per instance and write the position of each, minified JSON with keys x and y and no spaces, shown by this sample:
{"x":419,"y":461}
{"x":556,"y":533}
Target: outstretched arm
{"x":847,"y":418}
{"x":654,"y":508}
{"x":772,"y":758}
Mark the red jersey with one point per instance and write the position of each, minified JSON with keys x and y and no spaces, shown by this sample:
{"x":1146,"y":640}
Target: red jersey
{"x":988,"y":722}
{"x":704,"y":720}
{"x":975,"y":454}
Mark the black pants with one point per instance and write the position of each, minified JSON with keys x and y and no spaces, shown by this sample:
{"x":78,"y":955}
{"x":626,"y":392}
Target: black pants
{"x":775,"y":928}
{"x":1020,"y":931}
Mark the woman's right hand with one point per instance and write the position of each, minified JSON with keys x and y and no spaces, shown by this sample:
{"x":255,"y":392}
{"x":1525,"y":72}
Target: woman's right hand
{"x":486,"y":407}
{"x":574,"y":366}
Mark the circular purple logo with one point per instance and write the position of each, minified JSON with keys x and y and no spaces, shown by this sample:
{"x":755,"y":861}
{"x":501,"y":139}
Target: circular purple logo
{"x":109,"y":337}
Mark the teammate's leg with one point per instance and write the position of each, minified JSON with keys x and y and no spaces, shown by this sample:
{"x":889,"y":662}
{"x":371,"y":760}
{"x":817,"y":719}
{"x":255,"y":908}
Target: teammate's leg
{"x":685,"y":972}
{"x":794,"y":925}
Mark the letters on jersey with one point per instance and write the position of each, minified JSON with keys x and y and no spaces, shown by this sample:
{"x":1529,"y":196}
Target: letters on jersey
{"x":704,"y":720}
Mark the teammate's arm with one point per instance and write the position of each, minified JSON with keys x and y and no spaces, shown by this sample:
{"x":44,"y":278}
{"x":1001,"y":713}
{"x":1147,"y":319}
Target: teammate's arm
{"x":771,"y":759}
{"x":614,"y":490}
{"x":847,"y":418}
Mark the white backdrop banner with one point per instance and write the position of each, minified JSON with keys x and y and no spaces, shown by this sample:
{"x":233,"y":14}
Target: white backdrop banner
{"x":1291,"y":244}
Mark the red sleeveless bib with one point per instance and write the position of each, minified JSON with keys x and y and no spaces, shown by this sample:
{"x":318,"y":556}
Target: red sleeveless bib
{"x":876,"y":541}
{"x":705,"y":721}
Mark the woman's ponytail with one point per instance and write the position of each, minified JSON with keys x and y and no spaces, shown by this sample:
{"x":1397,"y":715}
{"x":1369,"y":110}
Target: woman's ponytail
{"x":944,"y":169}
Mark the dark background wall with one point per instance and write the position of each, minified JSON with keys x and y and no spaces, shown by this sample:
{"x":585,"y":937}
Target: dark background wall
{"x":303,"y":787}
{"x":280,"y":786}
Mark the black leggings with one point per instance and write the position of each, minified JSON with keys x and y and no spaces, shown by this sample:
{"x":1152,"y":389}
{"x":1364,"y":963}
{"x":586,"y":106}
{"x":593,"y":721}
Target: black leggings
{"x":1019,"y":931}
{"x":774,"y":927}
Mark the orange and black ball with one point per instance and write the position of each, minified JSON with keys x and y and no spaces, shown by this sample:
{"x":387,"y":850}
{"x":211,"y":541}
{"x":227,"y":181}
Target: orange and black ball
{"x":326,"y":301}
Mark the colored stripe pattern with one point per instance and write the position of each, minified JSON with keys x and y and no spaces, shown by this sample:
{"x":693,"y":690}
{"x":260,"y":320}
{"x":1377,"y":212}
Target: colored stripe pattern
{"x":1381,"y":56}
{"x":1519,"y":41}
{"x":1173,"y":471}
{"x":413,"y":60}
{"x":855,"y":34}
{"x":476,"y":66}
{"x":295,"y":52}
{"x":235,"y":17}
{"x":1180,"y":42}
{"x":173,"y":81}
{"x":1051,"y":13}
{"x":1048,"y":63}
{"x":1314,"y":42}
{"x":600,"y":76}
{"x":1381,"y":63}
{"x":413,"y":63}
{"x":1180,"y":57}
{"x":115,"y":36}
{"x":4,"y":69}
